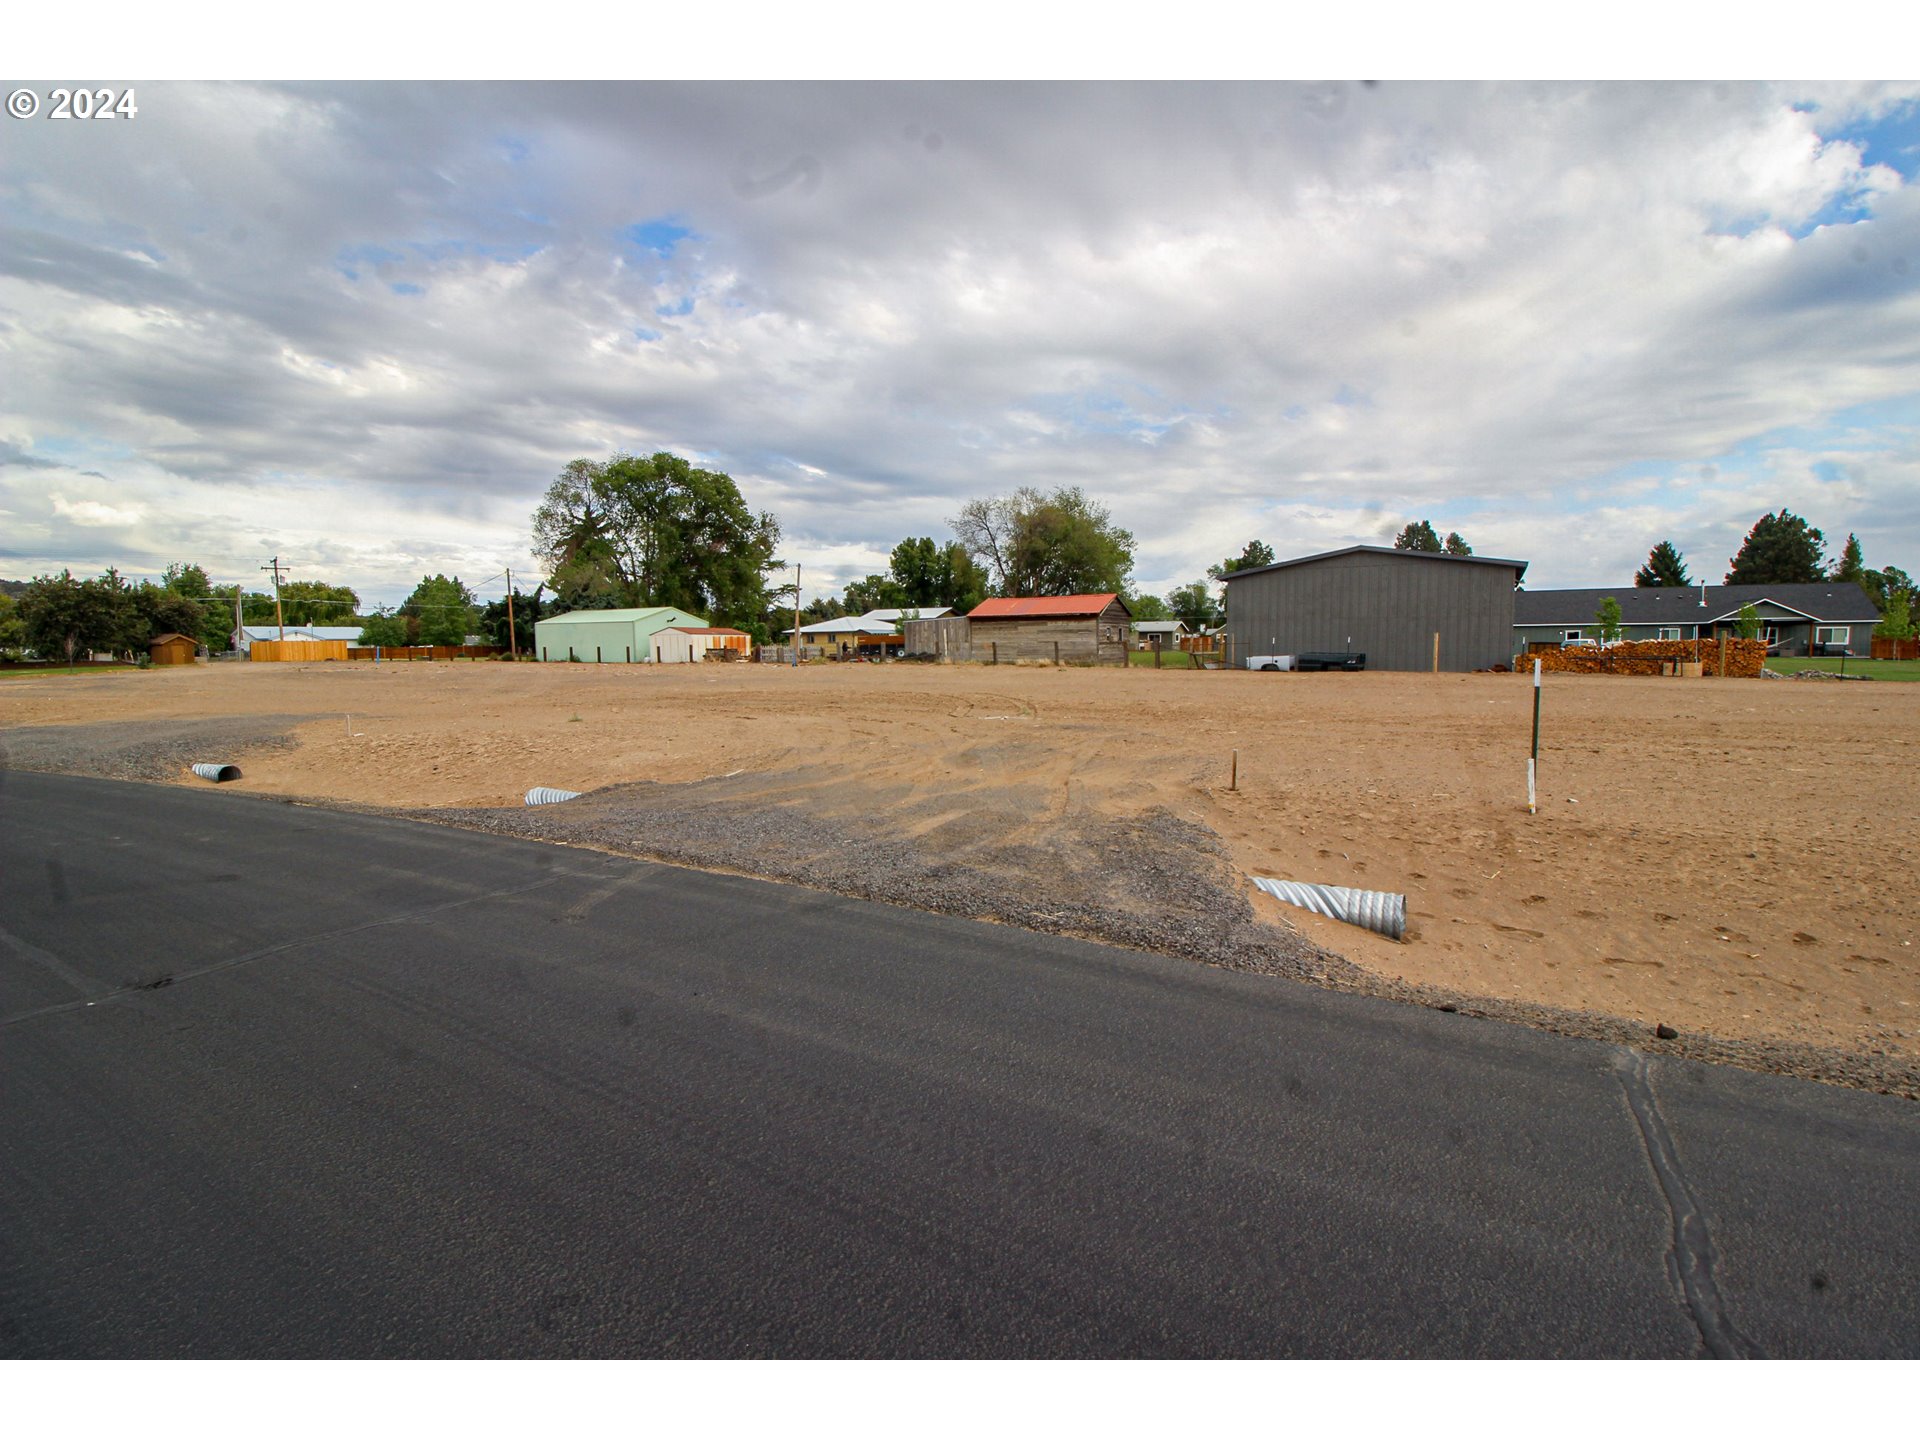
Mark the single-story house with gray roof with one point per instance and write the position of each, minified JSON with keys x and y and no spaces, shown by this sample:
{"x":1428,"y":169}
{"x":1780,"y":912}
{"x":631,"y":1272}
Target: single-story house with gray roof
{"x":1819,"y":619}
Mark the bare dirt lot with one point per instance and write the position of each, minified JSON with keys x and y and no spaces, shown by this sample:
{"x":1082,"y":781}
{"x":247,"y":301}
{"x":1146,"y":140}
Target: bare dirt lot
{"x":1726,"y":857}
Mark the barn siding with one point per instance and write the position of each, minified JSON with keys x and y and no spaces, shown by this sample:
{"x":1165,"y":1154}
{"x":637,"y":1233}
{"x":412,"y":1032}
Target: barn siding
{"x":1385,"y":605}
{"x":1081,"y":639}
{"x":948,"y":637}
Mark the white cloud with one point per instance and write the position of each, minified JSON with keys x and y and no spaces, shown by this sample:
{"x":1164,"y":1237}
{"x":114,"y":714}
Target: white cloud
{"x":96,"y":512}
{"x":1304,"y":313}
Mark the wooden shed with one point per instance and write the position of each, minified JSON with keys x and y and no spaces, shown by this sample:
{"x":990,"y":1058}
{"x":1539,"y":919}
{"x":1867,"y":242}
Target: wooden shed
{"x":1068,"y":629}
{"x":173,"y":648}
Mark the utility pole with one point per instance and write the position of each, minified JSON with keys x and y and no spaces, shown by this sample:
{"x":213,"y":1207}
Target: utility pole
{"x":796,"y":614}
{"x":279,"y":618}
{"x":513,"y":644}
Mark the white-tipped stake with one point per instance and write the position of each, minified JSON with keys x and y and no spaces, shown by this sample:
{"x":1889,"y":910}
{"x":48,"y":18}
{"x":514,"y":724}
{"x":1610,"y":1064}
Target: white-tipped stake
{"x":1533,"y":755}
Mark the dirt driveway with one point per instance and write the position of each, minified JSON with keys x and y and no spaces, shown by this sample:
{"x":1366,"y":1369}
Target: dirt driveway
{"x":1728,"y":857}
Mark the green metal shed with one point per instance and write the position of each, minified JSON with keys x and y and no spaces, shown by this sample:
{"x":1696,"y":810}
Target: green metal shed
{"x":607,"y":637}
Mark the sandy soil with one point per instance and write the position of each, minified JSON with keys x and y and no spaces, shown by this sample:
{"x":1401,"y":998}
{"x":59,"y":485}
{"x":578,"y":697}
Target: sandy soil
{"x":1725,"y":857}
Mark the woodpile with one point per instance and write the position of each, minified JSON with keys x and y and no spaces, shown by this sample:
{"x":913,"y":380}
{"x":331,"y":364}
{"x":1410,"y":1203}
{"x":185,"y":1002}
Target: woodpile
{"x":1744,"y":658}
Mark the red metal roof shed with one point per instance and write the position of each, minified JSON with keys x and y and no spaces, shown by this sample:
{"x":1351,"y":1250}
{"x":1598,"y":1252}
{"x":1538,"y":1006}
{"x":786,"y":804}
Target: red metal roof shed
{"x":1041,"y":606}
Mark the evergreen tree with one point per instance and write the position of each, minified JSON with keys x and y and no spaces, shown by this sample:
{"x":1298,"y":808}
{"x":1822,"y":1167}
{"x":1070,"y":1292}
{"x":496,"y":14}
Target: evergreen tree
{"x":528,"y":610}
{"x":1418,"y":535}
{"x":1780,"y":550}
{"x":1456,"y":544}
{"x":1852,"y":564}
{"x":1665,"y":566}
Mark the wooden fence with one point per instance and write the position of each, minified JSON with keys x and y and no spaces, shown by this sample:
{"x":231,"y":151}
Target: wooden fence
{"x":298,"y":650}
{"x":424,"y":652}
{"x":1887,"y":649}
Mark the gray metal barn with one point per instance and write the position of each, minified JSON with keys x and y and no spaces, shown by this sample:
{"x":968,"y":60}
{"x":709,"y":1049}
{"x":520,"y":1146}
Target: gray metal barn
{"x":1385,"y":603}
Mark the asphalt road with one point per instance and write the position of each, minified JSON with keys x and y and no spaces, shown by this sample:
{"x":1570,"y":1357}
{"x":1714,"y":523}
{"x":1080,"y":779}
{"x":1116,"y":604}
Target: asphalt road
{"x":281,"y":1082}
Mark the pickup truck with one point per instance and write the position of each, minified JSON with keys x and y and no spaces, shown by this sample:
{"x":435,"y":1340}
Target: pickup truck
{"x":1310,"y":660}
{"x":1330,"y":660}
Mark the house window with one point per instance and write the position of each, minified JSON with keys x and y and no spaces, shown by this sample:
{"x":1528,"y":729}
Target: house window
{"x":1831,"y":634}
{"x":1668,"y":632}
{"x":1109,"y":632}
{"x":1770,"y":634}
{"x":1572,"y":635}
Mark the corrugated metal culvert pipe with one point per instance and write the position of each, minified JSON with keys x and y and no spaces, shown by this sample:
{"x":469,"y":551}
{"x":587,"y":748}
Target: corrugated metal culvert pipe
{"x":547,"y":795}
{"x":217,"y":772}
{"x":1380,"y":911}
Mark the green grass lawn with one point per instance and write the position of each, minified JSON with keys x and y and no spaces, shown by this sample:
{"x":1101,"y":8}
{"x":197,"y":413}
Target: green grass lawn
{"x":1169,"y":659}
{"x":1878,"y":669}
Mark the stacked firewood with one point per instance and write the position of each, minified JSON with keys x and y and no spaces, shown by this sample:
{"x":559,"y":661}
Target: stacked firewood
{"x":1647,"y":657}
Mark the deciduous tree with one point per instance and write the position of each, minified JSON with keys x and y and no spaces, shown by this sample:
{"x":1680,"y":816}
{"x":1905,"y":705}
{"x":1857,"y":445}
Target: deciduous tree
{"x":932,"y":575}
{"x":385,"y":629}
{"x":1194,"y":604}
{"x":1037,"y":544}
{"x":1256,"y":554}
{"x":876,"y":592}
{"x":315,"y":602}
{"x":655,"y":530}
{"x":65,"y":616}
{"x":441,"y":611}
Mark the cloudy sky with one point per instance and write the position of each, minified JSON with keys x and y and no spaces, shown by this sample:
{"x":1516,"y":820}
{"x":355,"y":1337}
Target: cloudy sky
{"x":362,"y":326}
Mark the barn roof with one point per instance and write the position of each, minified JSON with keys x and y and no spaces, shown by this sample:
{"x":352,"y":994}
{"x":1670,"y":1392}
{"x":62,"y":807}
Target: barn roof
{"x":597,"y":617}
{"x":1042,"y":607}
{"x":705,"y":630}
{"x":174,"y":635}
{"x":1519,"y":566}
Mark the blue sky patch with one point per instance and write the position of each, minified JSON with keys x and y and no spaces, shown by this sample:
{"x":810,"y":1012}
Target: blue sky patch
{"x":1892,"y":140}
{"x":405,"y":288}
{"x":682,"y":306}
{"x":657,"y":237}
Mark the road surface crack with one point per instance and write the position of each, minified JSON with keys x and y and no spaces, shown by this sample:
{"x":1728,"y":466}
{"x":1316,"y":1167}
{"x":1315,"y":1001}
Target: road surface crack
{"x":1692,"y":1258}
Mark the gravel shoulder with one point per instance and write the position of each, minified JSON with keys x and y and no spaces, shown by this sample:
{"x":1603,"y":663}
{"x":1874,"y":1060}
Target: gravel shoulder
{"x":150,"y":750}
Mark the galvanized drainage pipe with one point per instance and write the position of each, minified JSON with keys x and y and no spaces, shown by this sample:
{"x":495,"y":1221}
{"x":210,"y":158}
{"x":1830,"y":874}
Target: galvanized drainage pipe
{"x":547,"y":795}
{"x":217,"y":772}
{"x":1380,"y":911}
